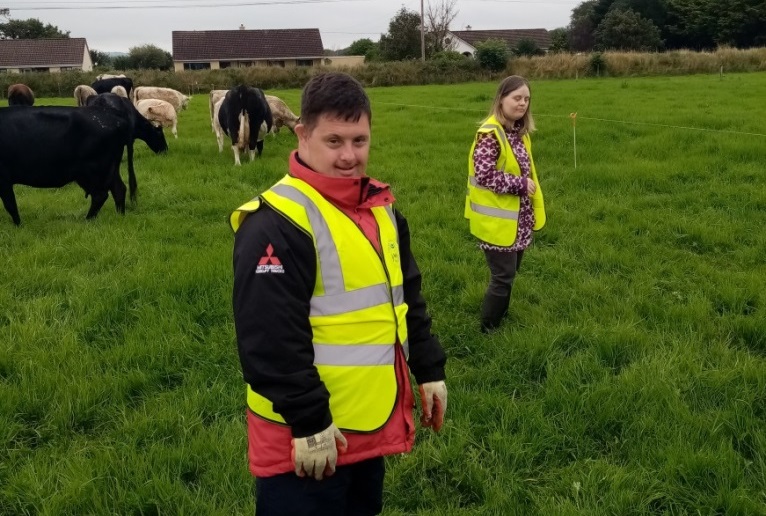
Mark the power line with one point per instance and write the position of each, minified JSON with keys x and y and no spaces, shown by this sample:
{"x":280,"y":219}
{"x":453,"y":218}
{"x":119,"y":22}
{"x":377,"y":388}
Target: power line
{"x":185,"y":6}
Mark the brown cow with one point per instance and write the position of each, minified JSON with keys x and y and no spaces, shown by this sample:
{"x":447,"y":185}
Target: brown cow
{"x":20,"y":95}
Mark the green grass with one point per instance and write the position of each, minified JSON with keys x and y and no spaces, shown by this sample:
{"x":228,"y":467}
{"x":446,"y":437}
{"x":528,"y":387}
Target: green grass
{"x":630,"y":377}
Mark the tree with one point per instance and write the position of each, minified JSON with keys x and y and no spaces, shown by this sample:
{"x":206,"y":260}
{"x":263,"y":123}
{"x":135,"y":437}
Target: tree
{"x":528,"y":48}
{"x":559,"y":40}
{"x":100,"y":59}
{"x":403,"y":38}
{"x":150,"y":57}
{"x":359,"y":47}
{"x":30,"y":29}
{"x":627,"y":30}
{"x":438,"y":17}
{"x":582,"y":24}
{"x":492,"y":54}
{"x":122,"y":63}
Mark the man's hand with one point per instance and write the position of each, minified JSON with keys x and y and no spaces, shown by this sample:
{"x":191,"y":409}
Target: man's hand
{"x":316,"y":454}
{"x":433,"y":400}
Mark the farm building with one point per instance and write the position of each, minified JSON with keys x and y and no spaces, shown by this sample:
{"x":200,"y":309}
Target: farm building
{"x":212,"y":49}
{"x":44,"y":55}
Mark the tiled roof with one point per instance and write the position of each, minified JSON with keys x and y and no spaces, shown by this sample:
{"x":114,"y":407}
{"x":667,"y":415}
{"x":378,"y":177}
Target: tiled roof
{"x":511,"y":36}
{"x":24,"y":53}
{"x":213,"y":45}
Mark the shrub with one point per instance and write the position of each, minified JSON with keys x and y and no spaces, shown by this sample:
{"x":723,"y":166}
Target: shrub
{"x":492,"y":54}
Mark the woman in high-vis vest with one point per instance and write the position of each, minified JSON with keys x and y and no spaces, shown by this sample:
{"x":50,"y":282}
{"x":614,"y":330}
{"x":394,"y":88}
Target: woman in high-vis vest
{"x":504,"y":204}
{"x":330,"y":320}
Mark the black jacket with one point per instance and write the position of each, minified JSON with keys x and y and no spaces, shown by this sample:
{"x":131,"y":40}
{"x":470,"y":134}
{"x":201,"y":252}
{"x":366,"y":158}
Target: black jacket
{"x":271,"y":316}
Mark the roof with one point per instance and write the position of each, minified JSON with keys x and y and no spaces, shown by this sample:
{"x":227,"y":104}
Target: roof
{"x":214,"y":45}
{"x":28,"y":53}
{"x":511,"y":36}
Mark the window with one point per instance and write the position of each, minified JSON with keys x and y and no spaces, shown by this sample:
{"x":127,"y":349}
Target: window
{"x":225,"y":64}
{"x":271,"y":62}
{"x":196,"y":66}
{"x":304,"y":62}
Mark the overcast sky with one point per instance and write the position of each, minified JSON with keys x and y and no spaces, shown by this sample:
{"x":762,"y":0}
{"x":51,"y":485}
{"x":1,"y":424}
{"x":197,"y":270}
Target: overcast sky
{"x":110,"y":27}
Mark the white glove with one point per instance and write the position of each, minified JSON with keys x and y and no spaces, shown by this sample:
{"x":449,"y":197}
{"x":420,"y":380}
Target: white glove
{"x":433,"y":400}
{"x":316,"y":454}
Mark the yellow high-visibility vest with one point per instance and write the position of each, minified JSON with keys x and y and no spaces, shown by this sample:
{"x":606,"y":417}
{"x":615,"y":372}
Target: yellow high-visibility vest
{"x":358,"y":313}
{"x":494,"y":217}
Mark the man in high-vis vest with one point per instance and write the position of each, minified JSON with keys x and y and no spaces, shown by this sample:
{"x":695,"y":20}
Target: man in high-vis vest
{"x":330,"y":319}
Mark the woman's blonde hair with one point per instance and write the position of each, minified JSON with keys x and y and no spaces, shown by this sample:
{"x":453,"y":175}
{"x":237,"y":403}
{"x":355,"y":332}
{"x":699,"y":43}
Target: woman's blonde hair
{"x":509,"y":84}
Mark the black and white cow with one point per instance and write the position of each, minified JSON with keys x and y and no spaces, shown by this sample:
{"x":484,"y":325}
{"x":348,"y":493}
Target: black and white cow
{"x":106,"y":85}
{"x":140,"y":128}
{"x":245,"y":117}
{"x":81,"y":144}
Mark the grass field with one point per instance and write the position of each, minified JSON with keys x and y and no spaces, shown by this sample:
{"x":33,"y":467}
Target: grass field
{"x":629,"y":378}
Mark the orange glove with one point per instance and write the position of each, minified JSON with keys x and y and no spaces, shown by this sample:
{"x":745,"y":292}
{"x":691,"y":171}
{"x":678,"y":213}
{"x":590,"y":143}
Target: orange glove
{"x":317,"y":454}
{"x":433,"y":400}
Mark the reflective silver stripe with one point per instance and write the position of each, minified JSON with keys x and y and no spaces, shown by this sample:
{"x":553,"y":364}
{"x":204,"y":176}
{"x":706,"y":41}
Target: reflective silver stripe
{"x":494,"y":212}
{"x":406,"y":347}
{"x":398,"y":293}
{"x":350,"y":301}
{"x":391,"y":215}
{"x":361,"y":355}
{"x":329,"y":260}
{"x":475,"y":184}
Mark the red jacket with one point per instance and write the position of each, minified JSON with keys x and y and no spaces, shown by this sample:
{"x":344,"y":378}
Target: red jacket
{"x":274,"y":334}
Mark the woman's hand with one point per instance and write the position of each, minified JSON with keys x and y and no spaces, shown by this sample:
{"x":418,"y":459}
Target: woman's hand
{"x":531,"y":187}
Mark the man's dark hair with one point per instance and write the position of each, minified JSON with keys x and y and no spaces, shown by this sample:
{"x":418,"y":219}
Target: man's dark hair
{"x":335,"y":94}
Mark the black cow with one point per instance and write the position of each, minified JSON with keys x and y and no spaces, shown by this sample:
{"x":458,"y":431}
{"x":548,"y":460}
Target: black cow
{"x":51,"y":146}
{"x":246,"y":118}
{"x":106,"y":85}
{"x":20,"y":95}
{"x":140,"y":128}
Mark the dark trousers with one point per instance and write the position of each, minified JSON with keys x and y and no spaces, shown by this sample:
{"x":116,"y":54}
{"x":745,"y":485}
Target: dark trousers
{"x":354,"y":490}
{"x":502,"y":269}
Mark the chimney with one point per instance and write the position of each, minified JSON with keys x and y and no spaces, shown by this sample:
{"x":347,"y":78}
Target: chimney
{"x":241,"y":26}
{"x":468,"y":27}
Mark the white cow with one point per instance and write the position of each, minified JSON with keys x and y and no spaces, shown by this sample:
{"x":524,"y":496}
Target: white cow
{"x":82,"y":92}
{"x":177,"y":99}
{"x":159,"y":113}
{"x":108,"y":76}
{"x":215,"y":96}
{"x":281,"y":114}
{"x":119,"y":90}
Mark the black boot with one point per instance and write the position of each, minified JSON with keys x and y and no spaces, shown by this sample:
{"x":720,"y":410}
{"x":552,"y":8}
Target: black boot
{"x":493,"y":309}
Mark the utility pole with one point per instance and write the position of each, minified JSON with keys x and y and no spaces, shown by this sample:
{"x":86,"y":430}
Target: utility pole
{"x":422,"y":34}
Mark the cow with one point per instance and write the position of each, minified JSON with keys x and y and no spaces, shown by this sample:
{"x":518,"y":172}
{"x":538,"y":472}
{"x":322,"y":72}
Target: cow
{"x":106,"y":85}
{"x":140,"y":128}
{"x":109,"y":76}
{"x":119,"y":90}
{"x":82,"y":144}
{"x":218,"y":130}
{"x":160,"y":113}
{"x":215,"y":96}
{"x":20,"y":95}
{"x":177,"y":99}
{"x":82,"y":92}
{"x":281,"y":114}
{"x":243,"y":109}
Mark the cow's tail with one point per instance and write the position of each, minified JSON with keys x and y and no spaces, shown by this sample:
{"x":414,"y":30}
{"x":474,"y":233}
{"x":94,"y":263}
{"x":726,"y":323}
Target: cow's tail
{"x":242,"y":140}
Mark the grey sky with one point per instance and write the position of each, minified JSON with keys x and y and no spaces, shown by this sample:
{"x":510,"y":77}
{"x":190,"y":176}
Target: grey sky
{"x":339,"y":21}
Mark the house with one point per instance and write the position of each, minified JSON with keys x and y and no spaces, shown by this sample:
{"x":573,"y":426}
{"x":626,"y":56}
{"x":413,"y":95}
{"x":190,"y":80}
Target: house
{"x":465,"y":41}
{"x":212,"y":49}
{"x":44,"y":55}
